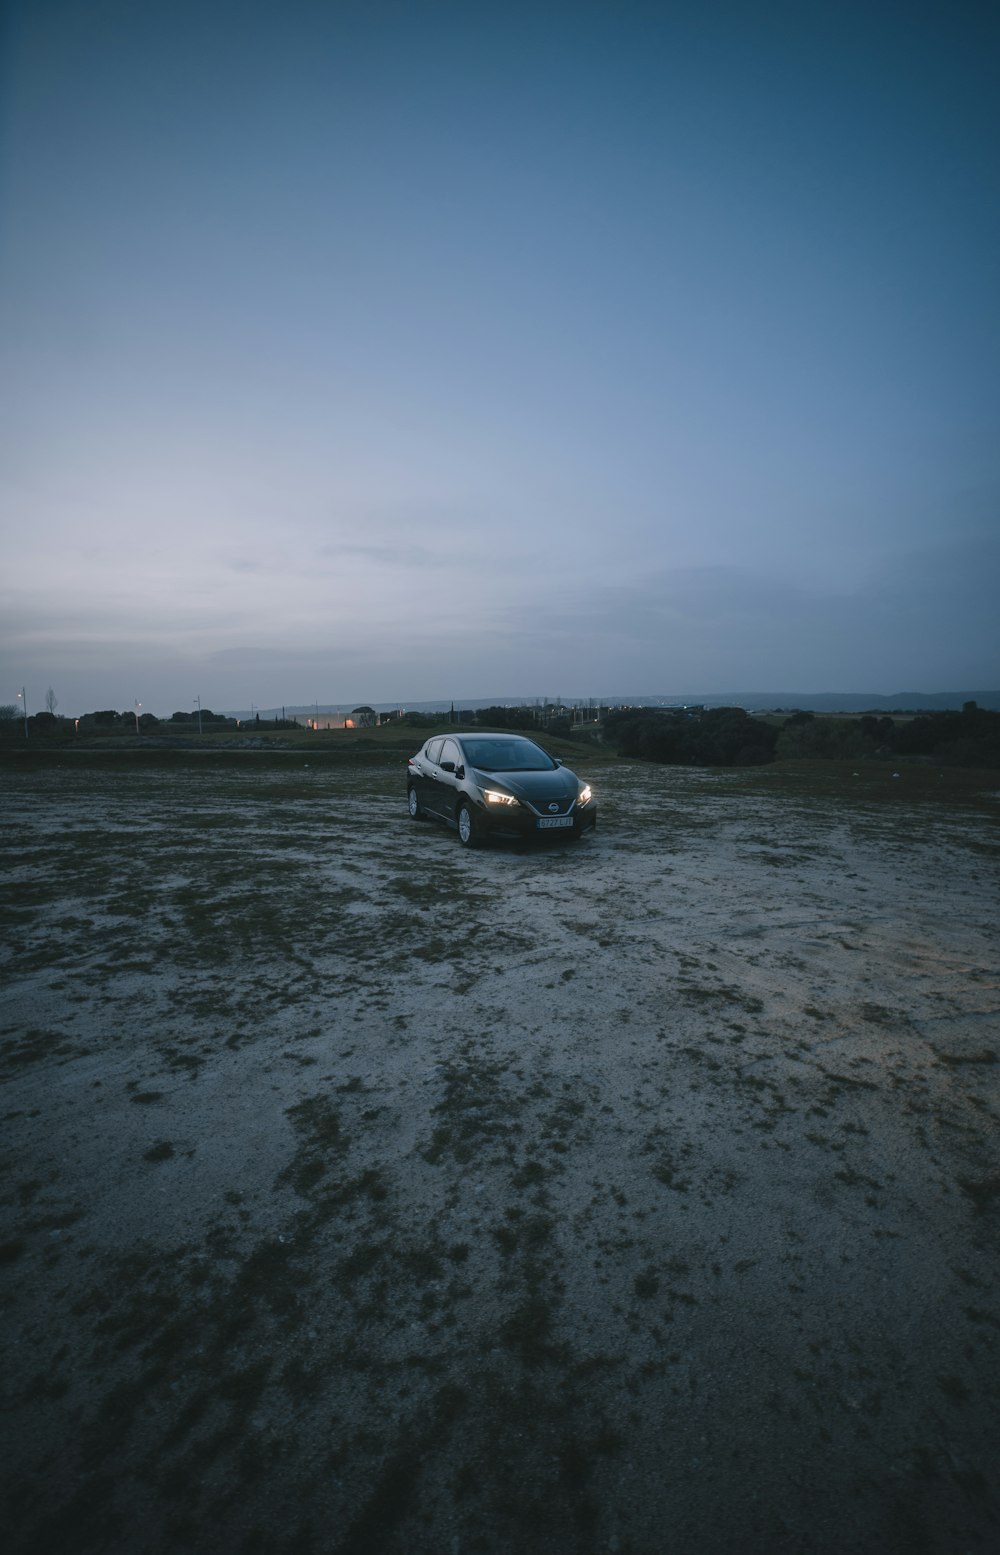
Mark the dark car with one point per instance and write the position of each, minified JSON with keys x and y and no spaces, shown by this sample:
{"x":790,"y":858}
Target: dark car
{"x":497,"y":785}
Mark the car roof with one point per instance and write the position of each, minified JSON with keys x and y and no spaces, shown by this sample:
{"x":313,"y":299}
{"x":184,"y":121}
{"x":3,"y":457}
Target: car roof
{"x":495,"y":734}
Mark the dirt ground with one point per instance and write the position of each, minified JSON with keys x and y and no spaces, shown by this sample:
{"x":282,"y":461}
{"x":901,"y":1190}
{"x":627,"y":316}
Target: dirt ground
{"x":361,"y":1194}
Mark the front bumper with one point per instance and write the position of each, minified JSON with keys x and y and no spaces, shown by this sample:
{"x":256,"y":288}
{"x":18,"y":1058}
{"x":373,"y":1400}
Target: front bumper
{"x":522,"y":823}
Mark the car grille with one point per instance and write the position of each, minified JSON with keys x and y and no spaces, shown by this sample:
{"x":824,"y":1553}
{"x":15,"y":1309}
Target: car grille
{"x":563,"y":807}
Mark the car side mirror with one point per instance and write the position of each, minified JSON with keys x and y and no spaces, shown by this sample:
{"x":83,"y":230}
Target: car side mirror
{"x":557,"y":760}
{"x":447,"y":766}
{"x":460,"y":772}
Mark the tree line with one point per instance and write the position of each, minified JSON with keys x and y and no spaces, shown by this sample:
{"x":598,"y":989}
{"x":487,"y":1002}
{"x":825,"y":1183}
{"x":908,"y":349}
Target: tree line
{"x":108,"y":720}
{"x":713,"y":737}
{"x":731,"y":737}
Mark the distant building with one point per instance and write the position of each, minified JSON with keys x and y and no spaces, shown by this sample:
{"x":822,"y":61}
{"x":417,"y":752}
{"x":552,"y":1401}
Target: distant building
{"x":360,"y":718}
{"x":323,"y":721}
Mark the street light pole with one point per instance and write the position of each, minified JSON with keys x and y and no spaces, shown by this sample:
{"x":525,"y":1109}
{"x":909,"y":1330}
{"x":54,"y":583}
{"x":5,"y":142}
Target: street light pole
{"x":22,"y":697}
{"x":198,"y":700}
{"x":135,"y":709}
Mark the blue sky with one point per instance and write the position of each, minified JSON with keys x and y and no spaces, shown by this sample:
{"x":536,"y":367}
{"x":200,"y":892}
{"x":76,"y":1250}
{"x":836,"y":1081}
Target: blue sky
{"x":385,"y":352}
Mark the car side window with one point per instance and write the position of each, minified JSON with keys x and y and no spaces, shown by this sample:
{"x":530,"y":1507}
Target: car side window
{"x":451,"y":752}
{"x":434,"y":751}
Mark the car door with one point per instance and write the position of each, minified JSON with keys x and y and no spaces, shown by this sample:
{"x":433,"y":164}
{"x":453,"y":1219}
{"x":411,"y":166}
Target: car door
{"x":425,"y":769}
{"x":446,"y":783}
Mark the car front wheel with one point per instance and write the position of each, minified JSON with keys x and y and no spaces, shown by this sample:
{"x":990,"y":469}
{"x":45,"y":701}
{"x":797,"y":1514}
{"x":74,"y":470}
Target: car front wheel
{"x":469,"y":834}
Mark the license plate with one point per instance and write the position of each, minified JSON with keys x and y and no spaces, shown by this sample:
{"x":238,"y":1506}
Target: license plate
{"x":548,"y":821}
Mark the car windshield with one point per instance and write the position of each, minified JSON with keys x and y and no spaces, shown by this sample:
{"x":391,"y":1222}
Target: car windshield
{"x":500,"y":755}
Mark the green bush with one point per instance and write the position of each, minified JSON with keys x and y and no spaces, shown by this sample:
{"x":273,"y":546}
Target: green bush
{"x":718,"y":737}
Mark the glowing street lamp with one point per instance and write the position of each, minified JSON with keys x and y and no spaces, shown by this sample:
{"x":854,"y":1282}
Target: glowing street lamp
{"x":138,"y":704}
{"x":22,"y":697}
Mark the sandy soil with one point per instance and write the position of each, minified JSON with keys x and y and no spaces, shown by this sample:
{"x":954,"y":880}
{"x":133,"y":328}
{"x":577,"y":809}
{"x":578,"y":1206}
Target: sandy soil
{"x":362,"y":1194}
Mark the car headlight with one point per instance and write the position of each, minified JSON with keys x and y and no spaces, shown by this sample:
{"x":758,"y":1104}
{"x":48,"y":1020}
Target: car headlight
{"x":494,"y":796}
{"x":585,"y":795}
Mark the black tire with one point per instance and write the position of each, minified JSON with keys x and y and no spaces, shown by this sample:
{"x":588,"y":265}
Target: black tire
{"x":417,"y":811}
{"x":469,"y":831}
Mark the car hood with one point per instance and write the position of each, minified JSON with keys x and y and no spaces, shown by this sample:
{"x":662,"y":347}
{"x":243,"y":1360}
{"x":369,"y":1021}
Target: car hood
{"x":538,"y":788}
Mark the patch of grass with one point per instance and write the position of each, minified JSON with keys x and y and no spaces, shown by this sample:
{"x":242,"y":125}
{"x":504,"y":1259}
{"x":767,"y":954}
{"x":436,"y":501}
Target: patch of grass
{"x":360,"y":1262}
{"x":851,"y":1081}
{"x":823,"y":1140}
{"x":879,"y":1015}
{"x":523,"y":1233}
{"x":324,"y":1143}
{"x":266,"y":1276}
{"x":530,"y":1175}
{"x":666,"y":1167}
{"x":527,"y":1330}
{"x":175,"y":1059}
{"x":479,"y":1109}
{"x":162,"y":1151}
{"x":853,"y":1179}
{"x":422,"y":1263}
{"x":982,"y":1191}
{"x":666,"y":1172}
{"x":35,"y":1046}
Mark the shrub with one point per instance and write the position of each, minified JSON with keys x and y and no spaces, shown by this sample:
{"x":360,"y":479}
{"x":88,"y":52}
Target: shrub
{"x":719,"y":737}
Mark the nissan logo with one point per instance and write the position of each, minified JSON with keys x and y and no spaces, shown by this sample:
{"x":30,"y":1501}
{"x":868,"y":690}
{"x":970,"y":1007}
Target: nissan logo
{"x":553,"y":808}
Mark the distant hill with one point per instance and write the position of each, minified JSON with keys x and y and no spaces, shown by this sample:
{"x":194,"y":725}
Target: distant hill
{"x":753,"y":701}
{"x":836,"y":701}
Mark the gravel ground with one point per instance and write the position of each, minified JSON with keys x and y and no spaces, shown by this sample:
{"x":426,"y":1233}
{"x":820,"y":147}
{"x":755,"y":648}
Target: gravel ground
{"x":362,"y":1194}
